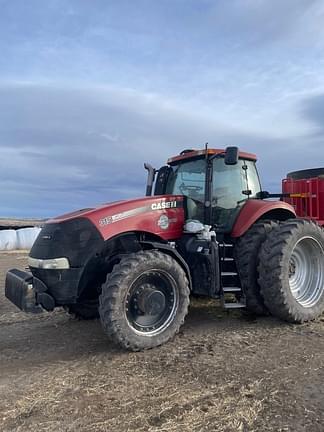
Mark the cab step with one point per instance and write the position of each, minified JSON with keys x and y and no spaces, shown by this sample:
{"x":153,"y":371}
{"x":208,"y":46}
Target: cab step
{"x":234,"y":305}
{"x":232,"y":296}
{"x":232,"y":289}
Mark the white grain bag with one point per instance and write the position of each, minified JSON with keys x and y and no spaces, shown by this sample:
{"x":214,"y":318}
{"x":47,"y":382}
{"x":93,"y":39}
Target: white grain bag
{"x":8,"y":240}
{"x":26,"y":237}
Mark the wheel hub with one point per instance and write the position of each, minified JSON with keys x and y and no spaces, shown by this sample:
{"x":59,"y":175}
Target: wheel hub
{"x":306,"y":271}
{"x":151,"y":301}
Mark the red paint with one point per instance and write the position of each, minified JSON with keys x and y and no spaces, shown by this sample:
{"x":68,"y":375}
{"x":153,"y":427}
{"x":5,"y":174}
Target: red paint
{"x":147,"y":221}
{"x":195,"y":153}
{"x":311,"y":204}
{"x":254,"y":210}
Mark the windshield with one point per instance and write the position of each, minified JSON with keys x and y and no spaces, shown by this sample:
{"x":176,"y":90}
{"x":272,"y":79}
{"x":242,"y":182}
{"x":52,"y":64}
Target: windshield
{"x":188,"y":178}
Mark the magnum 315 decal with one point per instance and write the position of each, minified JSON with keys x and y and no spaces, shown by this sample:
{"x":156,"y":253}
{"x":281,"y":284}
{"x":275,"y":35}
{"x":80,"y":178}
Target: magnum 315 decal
{"x":158,"y":205}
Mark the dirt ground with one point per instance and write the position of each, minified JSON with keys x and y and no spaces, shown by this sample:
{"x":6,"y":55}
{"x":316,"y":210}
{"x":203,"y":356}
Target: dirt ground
{"x":223,"y":372}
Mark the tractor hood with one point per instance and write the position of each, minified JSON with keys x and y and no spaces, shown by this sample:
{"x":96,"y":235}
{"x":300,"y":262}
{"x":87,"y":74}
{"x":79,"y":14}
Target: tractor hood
{"x":79,"y":235}
{"x":160,"y":215}
{"x":69,"y":243}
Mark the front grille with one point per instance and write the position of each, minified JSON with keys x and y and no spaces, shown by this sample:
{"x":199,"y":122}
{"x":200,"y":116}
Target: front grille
{"x":76,"y":239}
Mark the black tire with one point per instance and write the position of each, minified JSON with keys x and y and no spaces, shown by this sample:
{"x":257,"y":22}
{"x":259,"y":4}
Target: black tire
{"x":129,"y":285}
{"x":247,"y":252}
{"x":86,"y":310}
{"x":292,"y":271}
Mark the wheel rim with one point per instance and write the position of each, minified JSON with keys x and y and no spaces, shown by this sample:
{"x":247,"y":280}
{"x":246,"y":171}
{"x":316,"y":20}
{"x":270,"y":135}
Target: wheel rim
{"x":151,"y":302}
{"x":306,"y":272}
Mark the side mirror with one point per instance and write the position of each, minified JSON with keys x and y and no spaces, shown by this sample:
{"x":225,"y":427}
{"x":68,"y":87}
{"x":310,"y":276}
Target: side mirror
{"x":231,"y":155}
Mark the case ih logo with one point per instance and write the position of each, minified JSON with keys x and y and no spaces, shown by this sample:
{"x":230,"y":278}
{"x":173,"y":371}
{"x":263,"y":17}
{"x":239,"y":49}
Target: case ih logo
{"x":162,"y":205}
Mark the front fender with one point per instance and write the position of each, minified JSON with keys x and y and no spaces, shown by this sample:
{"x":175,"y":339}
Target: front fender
{"x":254,"y":210}
{"x":164,"y":247}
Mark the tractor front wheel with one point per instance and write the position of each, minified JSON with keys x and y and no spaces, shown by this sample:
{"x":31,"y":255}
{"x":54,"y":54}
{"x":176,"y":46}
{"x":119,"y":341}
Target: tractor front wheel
{"x":144,"y":300}
{"x":292,"y":271}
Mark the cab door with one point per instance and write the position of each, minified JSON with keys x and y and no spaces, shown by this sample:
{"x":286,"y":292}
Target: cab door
{"x":229,"y":193}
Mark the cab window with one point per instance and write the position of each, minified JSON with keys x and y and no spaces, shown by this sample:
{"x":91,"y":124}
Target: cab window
{"x":188,"y":178}
{"x":229,"y":192}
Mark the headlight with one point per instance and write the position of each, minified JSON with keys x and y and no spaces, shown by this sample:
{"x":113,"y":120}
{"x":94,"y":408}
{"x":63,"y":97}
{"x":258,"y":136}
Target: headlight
{"x":53,"y":263}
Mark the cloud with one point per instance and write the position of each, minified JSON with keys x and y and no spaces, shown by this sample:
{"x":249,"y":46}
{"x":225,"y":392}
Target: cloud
{"x":73,"y":147}
{"x":65,"y":148}
{"x":262,"y":23}
{"x":91,"y":90}
{"x":312,"y":109}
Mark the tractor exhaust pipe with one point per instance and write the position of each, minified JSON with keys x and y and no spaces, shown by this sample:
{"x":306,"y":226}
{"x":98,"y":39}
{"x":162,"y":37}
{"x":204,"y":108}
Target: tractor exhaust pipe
{"x":150,"y":178}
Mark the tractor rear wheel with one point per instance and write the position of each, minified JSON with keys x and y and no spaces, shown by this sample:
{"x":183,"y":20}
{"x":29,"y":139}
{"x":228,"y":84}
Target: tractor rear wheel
{"x":144,"y":300}
{"x":247,"y":259}
{"x":292,"y":271}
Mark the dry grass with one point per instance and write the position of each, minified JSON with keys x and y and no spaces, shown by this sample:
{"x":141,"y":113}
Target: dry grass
{"x":77,"y":399}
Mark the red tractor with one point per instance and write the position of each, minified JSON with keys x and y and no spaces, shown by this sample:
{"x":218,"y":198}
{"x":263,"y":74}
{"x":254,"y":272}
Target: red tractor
{"x":208,"y":230}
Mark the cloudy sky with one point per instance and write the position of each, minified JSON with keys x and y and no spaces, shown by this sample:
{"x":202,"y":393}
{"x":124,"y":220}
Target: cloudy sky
{"x":90,"y":89}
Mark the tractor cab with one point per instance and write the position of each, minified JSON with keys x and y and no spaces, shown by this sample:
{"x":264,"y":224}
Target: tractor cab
{"x":216,"y":183}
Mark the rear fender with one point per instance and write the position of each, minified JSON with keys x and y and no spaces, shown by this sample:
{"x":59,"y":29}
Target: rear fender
{"x":254,"y":210}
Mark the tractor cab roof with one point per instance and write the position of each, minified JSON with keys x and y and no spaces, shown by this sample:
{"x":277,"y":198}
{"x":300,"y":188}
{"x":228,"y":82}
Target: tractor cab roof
{"x":192,"y":154}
